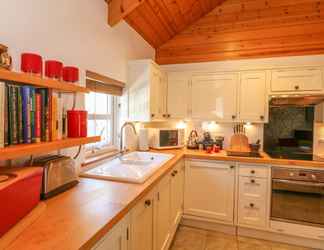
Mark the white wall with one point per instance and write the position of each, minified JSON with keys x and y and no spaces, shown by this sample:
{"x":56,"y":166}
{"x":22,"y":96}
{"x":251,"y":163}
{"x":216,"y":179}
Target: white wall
{"x":74,"y":31}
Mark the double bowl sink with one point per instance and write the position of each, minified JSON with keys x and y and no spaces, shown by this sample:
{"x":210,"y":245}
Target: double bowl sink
{"x":135,"y":167}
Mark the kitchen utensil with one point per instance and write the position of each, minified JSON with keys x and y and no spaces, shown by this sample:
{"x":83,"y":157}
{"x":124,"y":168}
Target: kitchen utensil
{"x":70,"y":74}
{"x":31,"y":63}
{"x":60,"y":174}
{"x":239,"y":143}
{"x":193,"y":140}
{"x":53,"y":69}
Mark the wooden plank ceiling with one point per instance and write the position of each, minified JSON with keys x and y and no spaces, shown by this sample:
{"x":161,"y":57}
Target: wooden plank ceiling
{"x":157,"y":21}
{"x":245,"y":29}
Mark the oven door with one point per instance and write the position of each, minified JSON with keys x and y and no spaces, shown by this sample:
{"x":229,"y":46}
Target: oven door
{"x":298,"y":202}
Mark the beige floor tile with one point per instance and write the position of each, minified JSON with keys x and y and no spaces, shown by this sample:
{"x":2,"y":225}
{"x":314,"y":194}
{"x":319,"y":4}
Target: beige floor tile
{"x":189,"y":239}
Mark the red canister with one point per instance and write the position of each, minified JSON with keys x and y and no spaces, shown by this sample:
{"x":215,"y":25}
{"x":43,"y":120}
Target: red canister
{"x":53,"y":69}
{"x":77,"y":123}
{"x":70,"y":74}
{"x":31,"y":63}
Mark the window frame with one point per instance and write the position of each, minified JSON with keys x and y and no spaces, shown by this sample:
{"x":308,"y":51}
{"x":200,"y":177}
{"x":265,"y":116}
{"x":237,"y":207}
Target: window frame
{"x":93,"y":150}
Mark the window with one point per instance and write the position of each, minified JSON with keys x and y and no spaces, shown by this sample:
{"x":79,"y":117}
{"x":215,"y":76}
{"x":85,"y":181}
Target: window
{"x":102,"y":117}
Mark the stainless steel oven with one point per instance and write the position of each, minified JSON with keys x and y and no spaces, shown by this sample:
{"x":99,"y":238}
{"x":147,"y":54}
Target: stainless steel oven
{"x":298,"y":196}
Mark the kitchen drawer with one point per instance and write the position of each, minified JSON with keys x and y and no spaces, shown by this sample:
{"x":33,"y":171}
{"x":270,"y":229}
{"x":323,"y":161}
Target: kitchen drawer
{"x":252,"y":212}
{"x":252,"y":187}
{"x":254,"y":171}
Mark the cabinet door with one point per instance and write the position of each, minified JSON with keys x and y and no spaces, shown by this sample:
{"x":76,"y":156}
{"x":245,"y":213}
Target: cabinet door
{"x":162,"y":214}
{"x":158,"y":92}
{"x":178,"y":96}
{"x":214,"y":96}
{"x":116,"y":239}
{"x":209,"y":190}
{"x":253,"y":101}
{"x":142,"y":224}
{"x":138,"y":103}
{"x":177,"y":193}
{"x":294,"y":80}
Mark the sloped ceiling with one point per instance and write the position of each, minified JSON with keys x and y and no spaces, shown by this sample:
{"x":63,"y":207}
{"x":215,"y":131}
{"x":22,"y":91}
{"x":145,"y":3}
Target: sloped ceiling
{"x":157,"y":21}
{"x":249,"y":29}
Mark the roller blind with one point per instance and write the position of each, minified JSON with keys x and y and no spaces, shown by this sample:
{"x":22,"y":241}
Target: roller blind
{"x":103,"y":84}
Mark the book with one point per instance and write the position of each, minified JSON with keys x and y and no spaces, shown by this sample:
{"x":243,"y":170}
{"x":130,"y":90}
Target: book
{"x":53,"y":119}
{"x":38,"y":106}
{"x":25,"y":93}
{"x":6,"y":118}
{"x":60,"y":117}
{"x":20,"y":131}
{"x":32,"y":114}
{"x":12,"y":110}
{"x":2,"y":111}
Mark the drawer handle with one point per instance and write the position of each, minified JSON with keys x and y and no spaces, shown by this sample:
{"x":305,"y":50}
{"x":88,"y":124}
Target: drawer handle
{"x":148,"y":203}
{"x":252,"y":171}
{"x":252,"y":181}
{"x":232,"y":167}
{"x":261,"y":117}
{"x":296,"y":87}
{"x":251,"y":205}
{"x":152,"y":115}
{"x":175,"y":171}
{"x":233,"y":117}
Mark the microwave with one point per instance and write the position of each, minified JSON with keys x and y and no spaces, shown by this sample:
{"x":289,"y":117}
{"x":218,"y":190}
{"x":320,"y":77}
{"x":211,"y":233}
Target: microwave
{"x":165,"y":138}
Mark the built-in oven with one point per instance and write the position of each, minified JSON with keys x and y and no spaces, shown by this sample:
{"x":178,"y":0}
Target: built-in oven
{"x":298,"y":196}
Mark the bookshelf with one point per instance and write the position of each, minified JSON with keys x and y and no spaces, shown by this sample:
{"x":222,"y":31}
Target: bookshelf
{"x":36,"y":81}
{"x":21,"y":150}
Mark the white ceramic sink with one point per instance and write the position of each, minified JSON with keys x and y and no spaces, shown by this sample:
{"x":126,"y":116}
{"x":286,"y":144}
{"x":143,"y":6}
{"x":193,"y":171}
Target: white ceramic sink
{"x":135,"y":167}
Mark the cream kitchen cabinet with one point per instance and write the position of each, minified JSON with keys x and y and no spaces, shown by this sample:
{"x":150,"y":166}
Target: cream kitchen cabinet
{"x":209,"y":190}
{"x":178,"y":98}
{"x":295,"y":80}
{"x":117,"y":238}
{"x":163,"y":214}
{"x":147,"y":91}
{"x":214,"y":96}
{"x":142,"y":219}
{"x":253,"y":101}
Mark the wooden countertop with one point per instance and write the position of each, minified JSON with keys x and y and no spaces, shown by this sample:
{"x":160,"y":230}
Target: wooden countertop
{"x":78,"y":218}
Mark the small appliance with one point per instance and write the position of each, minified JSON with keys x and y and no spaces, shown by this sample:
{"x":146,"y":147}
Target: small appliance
{"x":60,"y":174}
{"x":143,"y":139}
{"x":167,"y":138}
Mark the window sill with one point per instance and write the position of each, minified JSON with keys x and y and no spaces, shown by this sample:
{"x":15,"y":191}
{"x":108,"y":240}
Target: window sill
{"x":91,"y":159}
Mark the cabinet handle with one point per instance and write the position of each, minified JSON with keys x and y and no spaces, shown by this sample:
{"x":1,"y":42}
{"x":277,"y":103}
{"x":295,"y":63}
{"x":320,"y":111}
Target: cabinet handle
{"x":164,"y":115}
{"x":173,"y":174}
{"x":261,"y":117}
{"x":152,"y":115}
{"x":233,"y":117}
{"x":148,"y":203}
{"x":252,"y":181}
{"x":251,"y":205}
{"x":296,"y":87}
{"x":252,"y":171}
{"x":232,"y":167}
{"x":175,"y":171}
{"x":169,"y":115}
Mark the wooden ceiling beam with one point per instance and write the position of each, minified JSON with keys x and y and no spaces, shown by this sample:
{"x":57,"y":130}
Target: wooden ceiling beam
{"x":119,"y":9}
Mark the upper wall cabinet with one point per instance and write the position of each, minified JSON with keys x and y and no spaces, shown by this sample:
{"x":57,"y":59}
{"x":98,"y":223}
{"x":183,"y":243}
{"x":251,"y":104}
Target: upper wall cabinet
{"x":147,"y":90}
{"x":214,"y":96}
{"x":253,"y":97}
{"x":178,"y":95}
{"x":297,"y":80}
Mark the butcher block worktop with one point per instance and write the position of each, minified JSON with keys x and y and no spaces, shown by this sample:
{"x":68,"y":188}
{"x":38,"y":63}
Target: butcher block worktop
{"x":78,"y":218}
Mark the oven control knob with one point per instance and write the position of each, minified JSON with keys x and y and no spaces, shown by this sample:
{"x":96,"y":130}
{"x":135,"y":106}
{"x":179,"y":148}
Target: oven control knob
{"x":313,"y":177}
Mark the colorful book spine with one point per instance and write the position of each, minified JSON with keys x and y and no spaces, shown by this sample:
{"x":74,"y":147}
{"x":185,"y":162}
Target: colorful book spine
{"x":38,"y":106}
{"x":6,"y":118}
{"x":20,"y":125}
{"x":54,"y":122}
{"x":25,"y":92}
{"x":59,"y":117}
{"x":2,"y":108}
{"x":13,"y":115}
{"x":44,"y":115}
{"x":32,"y":114}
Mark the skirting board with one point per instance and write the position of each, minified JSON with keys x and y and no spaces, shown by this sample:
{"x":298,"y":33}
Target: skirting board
{"x":248,"y":232}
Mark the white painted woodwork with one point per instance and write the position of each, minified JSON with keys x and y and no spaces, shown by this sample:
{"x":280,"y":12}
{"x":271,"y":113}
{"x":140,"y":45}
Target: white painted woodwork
{"x":253,"y":188}
{"x":117,"y":238}
{"x":177,"y":194}
{"x":142,"y":224}
{"x":214,"y":96}
{"x":297,"y":79}
{"x":251,"y":212}
{"x":178,"y":95}
{"x":147,"y":90}
{"x":209,"y":190}
{"x":254,"y":170}
{"x":162,"y":213}
{"x":253,"y":97}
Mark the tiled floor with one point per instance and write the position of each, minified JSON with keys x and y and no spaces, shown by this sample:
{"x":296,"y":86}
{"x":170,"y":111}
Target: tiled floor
{"x":196,"y":239}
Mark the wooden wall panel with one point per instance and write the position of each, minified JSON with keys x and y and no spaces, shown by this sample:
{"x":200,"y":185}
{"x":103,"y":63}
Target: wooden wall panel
{"x":157,"y":21}
{"x":249,"y":29}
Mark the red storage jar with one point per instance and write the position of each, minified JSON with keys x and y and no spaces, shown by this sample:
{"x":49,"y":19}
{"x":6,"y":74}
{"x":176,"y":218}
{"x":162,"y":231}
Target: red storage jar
{"x":53,"y":69}
{"x":31,"y":63}
{"x":70,"y":74}
{"x":77,"y":123}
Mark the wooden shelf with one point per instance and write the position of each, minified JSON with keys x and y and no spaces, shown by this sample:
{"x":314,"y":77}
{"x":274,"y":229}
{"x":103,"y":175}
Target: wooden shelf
{"x":21,"y":150}
{"x":23,"y":78}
